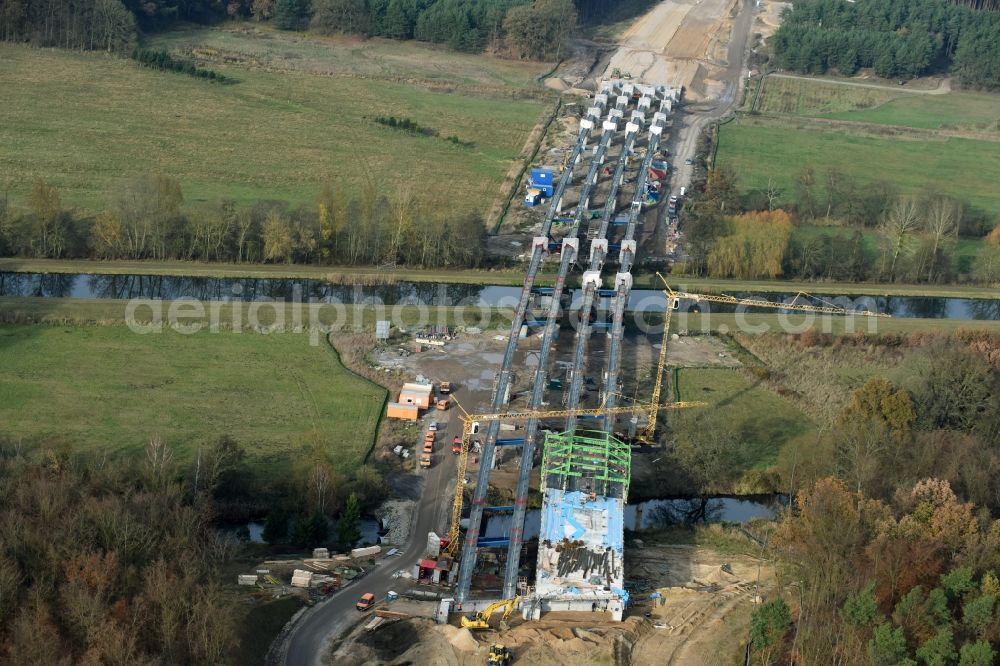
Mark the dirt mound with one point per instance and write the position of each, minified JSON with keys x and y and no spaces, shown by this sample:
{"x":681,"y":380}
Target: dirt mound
{"x":555,"y":83}
{"x":461,"y":639}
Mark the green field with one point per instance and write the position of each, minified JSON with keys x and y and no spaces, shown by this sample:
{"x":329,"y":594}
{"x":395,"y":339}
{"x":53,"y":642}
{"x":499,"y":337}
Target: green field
{"x":979,"y":112}
{"x":85,"y":121}
{"x":769,"y":147}
{"x":763,"y":420}
{"x":948,"y":143}
{"x":954,"y":111}
{"x":105,"y":388}
{"x":807,"y":98}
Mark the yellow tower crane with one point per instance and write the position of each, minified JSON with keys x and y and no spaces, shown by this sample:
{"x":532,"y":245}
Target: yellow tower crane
{"x":472,"y":422}
{"x":647,"y":436}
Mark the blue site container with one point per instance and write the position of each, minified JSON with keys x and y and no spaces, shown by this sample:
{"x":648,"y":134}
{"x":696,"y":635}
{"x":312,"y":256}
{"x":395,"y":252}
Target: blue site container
{"x":543,"y":176}
{"x":546,"y":190}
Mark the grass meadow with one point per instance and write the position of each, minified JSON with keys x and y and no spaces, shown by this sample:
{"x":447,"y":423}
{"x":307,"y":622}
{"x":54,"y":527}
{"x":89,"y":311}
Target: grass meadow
{"x":86,"y":121}
{"x":949,"y":143}
{"x":762,"y":148}
{"x":763,"y":420}
{"x":105,"y":388}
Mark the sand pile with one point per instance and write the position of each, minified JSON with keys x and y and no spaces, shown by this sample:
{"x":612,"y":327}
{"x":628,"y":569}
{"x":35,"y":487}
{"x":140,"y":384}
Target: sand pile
{"x":460,"y":638}
{"x":555,"y":83}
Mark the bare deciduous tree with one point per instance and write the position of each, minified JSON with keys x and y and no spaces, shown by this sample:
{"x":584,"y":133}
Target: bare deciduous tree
{"x":321,"y":486}
{"x":898,"y":226}
{"x":159,"y":457}
{"x":941,"y":223}
{"x":772,"y":194}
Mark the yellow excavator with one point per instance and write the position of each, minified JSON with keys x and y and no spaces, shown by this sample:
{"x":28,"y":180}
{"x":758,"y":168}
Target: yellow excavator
{"x":481,"y":620}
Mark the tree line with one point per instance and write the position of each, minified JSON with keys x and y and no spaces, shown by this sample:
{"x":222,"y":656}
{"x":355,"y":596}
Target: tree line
{"x":835,"y":228}
{"x":896,"y":38}
{"x":145,"y":219}
{"x":522,"y":28}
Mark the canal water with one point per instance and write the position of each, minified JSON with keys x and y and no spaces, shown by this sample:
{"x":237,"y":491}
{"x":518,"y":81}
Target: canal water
{"x":371,"y":530}
{"x":84,"y":285}
{"x":657,"y":513}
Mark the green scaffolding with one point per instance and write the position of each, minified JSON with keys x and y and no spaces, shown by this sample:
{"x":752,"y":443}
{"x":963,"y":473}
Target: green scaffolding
{"x":571,"y":459}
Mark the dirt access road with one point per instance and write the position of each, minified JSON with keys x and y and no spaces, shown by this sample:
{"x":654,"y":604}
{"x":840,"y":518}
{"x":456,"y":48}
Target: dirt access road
{"x":943,"y":86}
{"x":470,"y":364}
{"x":699,"y":44}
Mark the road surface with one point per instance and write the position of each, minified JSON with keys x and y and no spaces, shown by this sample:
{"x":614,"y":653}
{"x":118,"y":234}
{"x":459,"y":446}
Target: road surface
{"x":309,"y":640}
{"x":697,"y":116}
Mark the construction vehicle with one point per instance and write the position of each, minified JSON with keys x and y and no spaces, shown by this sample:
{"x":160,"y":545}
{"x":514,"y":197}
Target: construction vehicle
{"x":443,"y":404}
{"x":499,"y":655}
{"x":456,"y":446}
{"x":481,"y":619}
{"x":445,"y":388}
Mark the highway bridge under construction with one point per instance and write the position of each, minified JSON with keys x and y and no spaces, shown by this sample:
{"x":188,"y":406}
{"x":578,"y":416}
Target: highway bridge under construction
{"x":585,"y":470}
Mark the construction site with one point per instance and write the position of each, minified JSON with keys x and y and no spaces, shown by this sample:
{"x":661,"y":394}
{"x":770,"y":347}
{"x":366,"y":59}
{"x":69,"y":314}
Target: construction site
{"x":552,"y":414}
{"x":556,"y":422}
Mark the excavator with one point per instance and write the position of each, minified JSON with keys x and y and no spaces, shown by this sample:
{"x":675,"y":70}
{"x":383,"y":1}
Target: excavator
{"x":481,"y":620}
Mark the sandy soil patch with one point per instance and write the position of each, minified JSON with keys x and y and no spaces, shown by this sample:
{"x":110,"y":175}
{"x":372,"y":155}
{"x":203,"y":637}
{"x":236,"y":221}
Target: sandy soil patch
{"x":707,"y":598}
{"x":679,"y":42}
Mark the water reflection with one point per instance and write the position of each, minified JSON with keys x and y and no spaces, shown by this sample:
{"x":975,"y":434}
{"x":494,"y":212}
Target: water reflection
{"x":124,"y":287}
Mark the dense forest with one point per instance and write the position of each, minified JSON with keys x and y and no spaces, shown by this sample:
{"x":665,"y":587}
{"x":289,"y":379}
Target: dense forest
{"x":835,"y":228}
{"x":890,"y":582}
{"x":145,"y":219}
{"x":522,"y":28}
{"x":890,"y":551}
{"x":107,"y":564}
{"x":896,"y":38}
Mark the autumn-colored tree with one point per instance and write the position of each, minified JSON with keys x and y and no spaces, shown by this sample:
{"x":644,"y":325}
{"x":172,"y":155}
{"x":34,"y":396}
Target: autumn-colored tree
{"x":879,"y":400}
{"x":278,"y":238}
{"x":721,"y":191}
{"x":754,"y":248}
